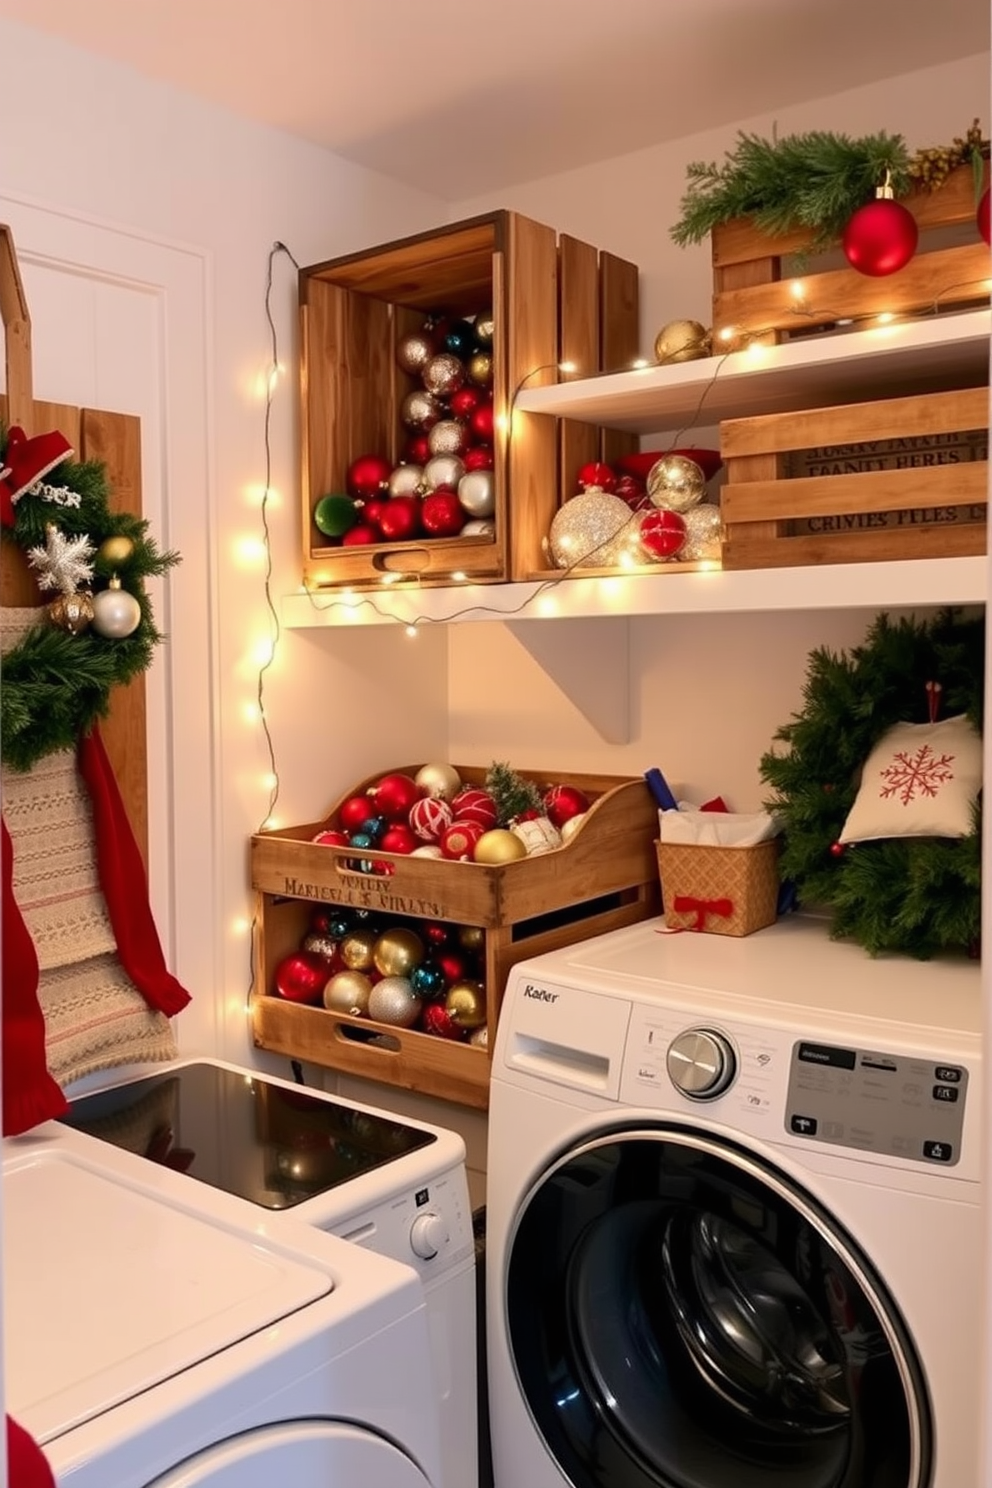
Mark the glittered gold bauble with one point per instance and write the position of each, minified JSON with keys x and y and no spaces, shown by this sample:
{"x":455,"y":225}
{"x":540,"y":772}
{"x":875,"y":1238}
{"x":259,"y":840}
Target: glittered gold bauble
{"x":484,"y":328}
{"x":585,"y":529}
{"x":414,"y":351}
{"x":398,"y":951}
{"x":675,"y":482}
{"x":498,"y":846}
{"x":681,"y":341}
{"x":449,"y":437}
{"x":702,"y":534}
{"x":443,"y":374}
{"x":480,"y":368}
{"x":465,"y":1004}
{"x":394,"y":1001}
{"x":471,"y":937}
{"x":357,"y":950}
{"x":320,"y":945}
{"x":443,"y":782}
{"x":71,"y":612}
{"x":479,"y":1037}
{"x":419,"y":410}
{"x":114,"y":551}
{"x":348,"y":992}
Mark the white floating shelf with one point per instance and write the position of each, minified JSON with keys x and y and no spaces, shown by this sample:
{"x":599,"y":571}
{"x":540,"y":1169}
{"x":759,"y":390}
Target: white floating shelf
{"x":838,"y":367}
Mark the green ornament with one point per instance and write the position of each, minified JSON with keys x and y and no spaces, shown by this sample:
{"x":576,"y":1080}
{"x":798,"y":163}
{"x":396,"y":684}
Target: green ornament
{"x":335,"y":515}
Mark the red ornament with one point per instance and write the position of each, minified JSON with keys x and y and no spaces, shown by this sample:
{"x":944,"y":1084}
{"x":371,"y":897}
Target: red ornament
{"x":562,"y":802}
{"x":400,"y":518}
{"x":595,"y":473}
{"x":881,"y":237}
{"x":436,"y":933}
{"x":361,"y":536}
{"x":301,"y":977}
{"x":481,"y":422}
{"x":982,"y":215}
{"x":393,"y":795}
{"x":442,"y":514}
{"x":662,"y":532}
{"x":397,"y":838}
{"x":429,"y":817}
{"x":354,"y":812}
{"x":372,"y":510}
{"x":458,"y":840}
{"x":631,"y":490}
{"x":417,"y":450}
{"x":367,"y":474}
{"x":479,"y":457}
{"x":336,"y":839}
{"x":474,"y":805}
{"x":463,"y":402}
{"x":454,"y":967}
{"x":435,"y":1020}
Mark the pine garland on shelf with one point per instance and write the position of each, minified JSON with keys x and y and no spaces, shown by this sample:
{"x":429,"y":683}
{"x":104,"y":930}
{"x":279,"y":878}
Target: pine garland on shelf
{"x":816,"y":180}
{"x":511,"y":792}
{"x":916,"y":895}
{"x":56,"y":684}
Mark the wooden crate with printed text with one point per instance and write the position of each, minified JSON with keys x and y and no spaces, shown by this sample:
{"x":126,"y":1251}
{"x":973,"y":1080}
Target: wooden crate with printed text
{"x":604,"y":877}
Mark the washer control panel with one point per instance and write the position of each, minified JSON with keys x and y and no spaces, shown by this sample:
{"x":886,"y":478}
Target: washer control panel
{"x":897,"y":1104}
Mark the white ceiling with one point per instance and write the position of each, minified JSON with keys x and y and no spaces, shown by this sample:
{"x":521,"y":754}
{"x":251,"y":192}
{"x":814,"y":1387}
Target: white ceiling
{"x":461,"y":97}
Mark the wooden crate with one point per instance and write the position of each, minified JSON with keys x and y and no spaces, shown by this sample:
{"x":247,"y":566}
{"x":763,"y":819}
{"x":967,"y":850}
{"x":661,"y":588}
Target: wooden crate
{"x":550,"y":301}
{"x":603,"y":878}
{"x":918,"y":510}
{"x":756,"y":294}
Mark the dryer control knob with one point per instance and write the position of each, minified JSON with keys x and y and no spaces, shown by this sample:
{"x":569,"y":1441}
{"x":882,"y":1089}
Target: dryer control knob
{"x":427,"y":1234}
{"x":701,"y":1063}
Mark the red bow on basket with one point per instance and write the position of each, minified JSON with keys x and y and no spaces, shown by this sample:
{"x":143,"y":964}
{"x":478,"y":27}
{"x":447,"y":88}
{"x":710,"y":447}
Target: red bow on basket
{"x":686,"y":904}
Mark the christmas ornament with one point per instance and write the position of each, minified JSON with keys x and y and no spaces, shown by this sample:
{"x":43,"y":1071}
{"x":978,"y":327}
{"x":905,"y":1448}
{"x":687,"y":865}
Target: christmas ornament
{"x":442,"y":514}
{"x":484,"y":328}
{"x":882,"y":236}
{"x":427,"y":980}
{"x":538,"y":835}
{"x":300,"y":977}
{"x":362,"y":536}
{"x":571,"y":826}
{"x":595,"y":473}
{"x":474,"y":805}
{"x":417,"y":450}
{"x":479,"y":1037}
{"x":430,"y":817}
{"x":483,"y":528}
{"x":982,"y":215}
{"x":453,"y":964}
{"x":662,"y":533}
{"x":702,"y":533}
{"x":398,"y":951}
{"x":681,"y":341}
{"x":357,"y":949}
{"x":480,"y":368}
{"x":443,"y":470}
{"x":372,"y":509}
{"x":405,"y":480}
{"x":443,"y":375}
{"x":471,"y":938}
{"x":400,"y":518}
{"x":436,"y":1020}
{"x":115,"y":551}
{"x":442,"y":781}
{"x":334,"y":515}
{"x":353,"y":813}
{"x":348,"y":992}
{"x":338,"y":922}
{"x":362,"y":840}
{"x":398,"y":838}
{"x":498,"y":846}
{"x":639,"y":462}
{"x":393,"y":795}
{"x":71,"y":612}
{"x":427,"y":851}
{"x":331,"y":838}
{"x":583,"y":529}
{"x":116,"y":613}
{"x":479,"y":457}
{"x":414,"y":351}
{"x":419,"y":410}
{"x":366,"y":475}
{"x":63,"y":563}
{"x":562,"y":802}
{"x":460,"y":340}
{"x":436,"y":932}
{"x":477,"y":493}
{"x":394,"y":1001}
{"x":676,"y":482}
{"x":632,"y":491}
{"x":465,"y":401}
{"x":448,"y":437}
{"x":324,"y":946}
{"x":457,"y":841}
{"x":465,"y":1004}
{"x":481,"y":422}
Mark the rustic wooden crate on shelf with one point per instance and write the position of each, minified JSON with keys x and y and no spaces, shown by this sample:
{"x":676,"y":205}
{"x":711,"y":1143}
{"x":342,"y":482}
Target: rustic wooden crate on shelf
{"x":756,"y":295}
{"x":551,"y":301}
{"x":908,"y":494}
{"x":604,"y":877}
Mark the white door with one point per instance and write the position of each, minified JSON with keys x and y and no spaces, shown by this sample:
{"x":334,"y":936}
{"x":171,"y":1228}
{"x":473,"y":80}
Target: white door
{"x":299,"y":1454}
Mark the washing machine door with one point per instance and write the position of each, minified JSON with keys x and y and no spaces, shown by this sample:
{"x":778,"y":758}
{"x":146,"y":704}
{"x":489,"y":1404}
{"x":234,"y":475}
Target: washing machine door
{"x":682,"y":1315}
{"x":298,"y":1454}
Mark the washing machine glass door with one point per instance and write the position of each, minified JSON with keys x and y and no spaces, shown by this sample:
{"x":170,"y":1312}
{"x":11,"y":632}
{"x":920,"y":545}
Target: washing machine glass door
{"x":298,"y":1454}
{"x":682,"y":1315}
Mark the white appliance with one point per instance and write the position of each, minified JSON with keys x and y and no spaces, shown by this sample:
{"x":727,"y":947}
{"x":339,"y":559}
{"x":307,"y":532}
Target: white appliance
{"x":733,"y":1222}
{"x":396,"y":1187}
{"x":156,"y":1342}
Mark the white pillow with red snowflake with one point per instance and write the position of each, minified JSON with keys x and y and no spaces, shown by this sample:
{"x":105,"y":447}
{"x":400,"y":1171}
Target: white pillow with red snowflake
{"x":920,"y":780}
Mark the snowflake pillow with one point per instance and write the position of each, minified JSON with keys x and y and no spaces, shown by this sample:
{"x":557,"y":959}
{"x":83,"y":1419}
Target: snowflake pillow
{"x":920,"y":780}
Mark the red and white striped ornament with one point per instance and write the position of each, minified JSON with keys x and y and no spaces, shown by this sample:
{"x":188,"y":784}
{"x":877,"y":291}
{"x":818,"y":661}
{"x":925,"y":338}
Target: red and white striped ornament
{"x":458,"y":840}
{"x":474,"y":805}
{"x":429,"y":817}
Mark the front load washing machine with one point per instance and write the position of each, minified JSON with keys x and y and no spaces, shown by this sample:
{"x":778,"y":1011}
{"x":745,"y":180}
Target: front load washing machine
{"x":156,"y":1338}
{"x":395,"y":1187}
{"x":733,"y":1223}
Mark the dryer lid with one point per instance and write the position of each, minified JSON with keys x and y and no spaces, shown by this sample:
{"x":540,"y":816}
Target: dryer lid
{"x":108,"y":1290}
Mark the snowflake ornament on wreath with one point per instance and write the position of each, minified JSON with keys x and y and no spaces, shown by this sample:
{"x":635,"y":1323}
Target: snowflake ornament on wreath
{"x":869,"y":718}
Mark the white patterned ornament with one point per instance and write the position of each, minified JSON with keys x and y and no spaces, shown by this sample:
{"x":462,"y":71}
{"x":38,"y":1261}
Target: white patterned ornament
{"x":538,"y":835}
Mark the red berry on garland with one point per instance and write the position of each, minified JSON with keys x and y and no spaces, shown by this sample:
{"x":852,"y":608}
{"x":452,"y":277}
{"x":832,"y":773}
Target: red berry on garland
{"x":838,"y":849}
{"x":479,"y":457}
{"x":442,"y":514}
{"x":367,"y":474}
{"x":301,"y":977}
{"x":596,"y":473}
{"x":400,"y":518}
{"x":436,"y":1020}
{"x":393,"y":796}
{"x":982,"y":215}
{"x":561,"y":802}
{"x":882,"y":236}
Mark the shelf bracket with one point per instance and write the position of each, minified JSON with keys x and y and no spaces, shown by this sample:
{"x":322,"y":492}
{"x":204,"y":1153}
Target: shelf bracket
{"x":589,"y":661}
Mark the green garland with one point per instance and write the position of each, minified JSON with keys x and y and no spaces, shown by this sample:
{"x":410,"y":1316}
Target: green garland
{"x":917,"y":895}
{"x":54,"y":685}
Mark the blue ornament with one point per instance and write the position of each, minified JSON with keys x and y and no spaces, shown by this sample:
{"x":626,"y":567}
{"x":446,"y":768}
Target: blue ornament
{"x":427,"y":980}
{"x":460,"y":340}
{"x":373,"y":828}
{"x":361,"y":839}
{"x":339,"y":923}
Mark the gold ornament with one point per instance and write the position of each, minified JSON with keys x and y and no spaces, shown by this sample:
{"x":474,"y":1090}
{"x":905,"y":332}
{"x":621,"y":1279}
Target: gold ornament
{"x":681,"y":341}
{"x":398,"y":951}
{"x":585,"y":531}
{"x":114,"y":551}
{"x":465,"y":1004}
{"x":702,"y":533}
{"x":675,"y":482}
{"x":443,"y":782}
{"x":480,"y":368}
{"x":471,"y":937}
{"x":498,"y":846}
{"x":358,"y":950}
{"x":484,"y":328}
{"x":71,"y":612}
{"x":348,"y":992}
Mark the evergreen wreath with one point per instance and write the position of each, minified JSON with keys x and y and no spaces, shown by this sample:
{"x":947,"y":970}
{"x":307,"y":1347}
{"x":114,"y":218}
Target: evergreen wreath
{"x":917,"y":895}
{"x":816,"y":181}
{"x":55,"y":685}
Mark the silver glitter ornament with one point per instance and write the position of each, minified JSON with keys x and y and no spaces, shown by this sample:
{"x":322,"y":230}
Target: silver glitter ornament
{"x":444,"y":374}
{"x":321,"y":945}
{"x":405,"y":480}
{"x":419,"y":410}
{"x":585,"y":529}
{"x":477,"y":493}
{"x":414,"y":351}
{"x":676,"y":483}
{"x":702,"y":534}
{"x":448,"y":437}
{"x":393,"y":1000}
{"x":443,"y":470}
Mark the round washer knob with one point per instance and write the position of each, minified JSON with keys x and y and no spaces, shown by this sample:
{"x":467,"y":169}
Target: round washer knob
{"x":427,"y":1234}
{"x":701,"y":1063}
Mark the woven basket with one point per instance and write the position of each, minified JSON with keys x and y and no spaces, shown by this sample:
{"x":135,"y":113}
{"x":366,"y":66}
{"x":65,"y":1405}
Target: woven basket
{"x":723,"y":890}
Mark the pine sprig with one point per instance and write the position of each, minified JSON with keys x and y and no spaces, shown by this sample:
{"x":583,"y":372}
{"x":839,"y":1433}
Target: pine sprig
{"x":921,"y":895}
{"x":511,"y":792}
